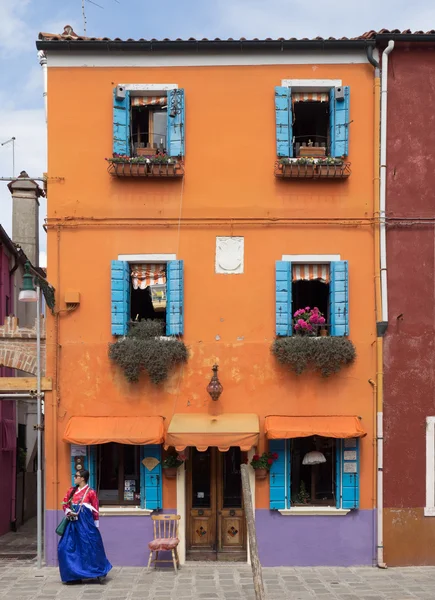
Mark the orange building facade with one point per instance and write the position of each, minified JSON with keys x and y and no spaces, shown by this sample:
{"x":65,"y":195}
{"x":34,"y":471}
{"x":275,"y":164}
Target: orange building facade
{"x":225,"y":243}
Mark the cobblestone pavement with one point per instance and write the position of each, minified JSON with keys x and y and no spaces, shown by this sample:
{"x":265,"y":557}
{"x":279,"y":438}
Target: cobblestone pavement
{"x":20,"y":580}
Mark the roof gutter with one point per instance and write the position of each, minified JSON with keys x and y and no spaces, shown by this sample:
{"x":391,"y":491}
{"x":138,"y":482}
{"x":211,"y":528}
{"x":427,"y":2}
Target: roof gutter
{"x":202,"y":45}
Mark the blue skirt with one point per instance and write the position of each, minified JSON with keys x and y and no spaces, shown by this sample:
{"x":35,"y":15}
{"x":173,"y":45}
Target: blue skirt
{"x":81,"y":551}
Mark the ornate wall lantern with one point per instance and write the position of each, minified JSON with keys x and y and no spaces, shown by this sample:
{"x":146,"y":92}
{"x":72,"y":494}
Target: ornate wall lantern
{"x":215,"y":387}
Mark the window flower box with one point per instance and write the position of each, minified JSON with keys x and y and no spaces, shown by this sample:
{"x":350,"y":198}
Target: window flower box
{"x":158,"y":166}
{"x":311,"y":168}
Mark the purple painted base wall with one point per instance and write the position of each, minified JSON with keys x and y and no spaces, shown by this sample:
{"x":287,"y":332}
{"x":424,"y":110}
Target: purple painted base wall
{"x":282,"y":540}
{"x":289,"y":541}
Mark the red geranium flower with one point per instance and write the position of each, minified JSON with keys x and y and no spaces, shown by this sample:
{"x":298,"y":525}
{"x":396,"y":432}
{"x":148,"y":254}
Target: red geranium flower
{"x":270,"y":461}
{"x":275,"y":456}
{"x":255,"y":457}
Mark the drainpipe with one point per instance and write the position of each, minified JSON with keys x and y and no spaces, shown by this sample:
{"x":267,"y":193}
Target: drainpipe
{"x":43,"y":62}
{"x":382,"y":310}
{"x":383,"y":188}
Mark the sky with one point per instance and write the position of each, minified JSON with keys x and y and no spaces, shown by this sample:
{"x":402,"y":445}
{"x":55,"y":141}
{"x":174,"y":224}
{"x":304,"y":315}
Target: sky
{"x":21,"y":101}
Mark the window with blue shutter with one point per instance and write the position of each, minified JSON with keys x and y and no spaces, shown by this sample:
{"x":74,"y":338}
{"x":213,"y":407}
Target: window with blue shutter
{"x":349,"y":473}
{"x":339,"y":298}
{"x":175,"y":297}
{"x":175,"y":123}
{"x":279,"y":478}
{"x":151,"y":480}
{"x":283,"y":296}
{"x":121,"y":123}
{"x":120,"y":296}
{"x":312,"y":118}
{"x":284,"y":122}
{"x":339,"y":122}
{"x":342,"y":468}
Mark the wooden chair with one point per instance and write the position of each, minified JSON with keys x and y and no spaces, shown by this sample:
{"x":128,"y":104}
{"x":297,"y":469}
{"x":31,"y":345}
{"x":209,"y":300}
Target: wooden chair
{"x":165,"y":538}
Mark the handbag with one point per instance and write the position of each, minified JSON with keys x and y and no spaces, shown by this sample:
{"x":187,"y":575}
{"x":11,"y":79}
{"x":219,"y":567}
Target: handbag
{"x":60,"y":529}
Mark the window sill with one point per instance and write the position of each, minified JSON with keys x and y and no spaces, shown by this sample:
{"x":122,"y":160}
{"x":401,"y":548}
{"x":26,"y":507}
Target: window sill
{"x":124,"y":511}
{"x":429,"y":511}
{"x":314,"y":511}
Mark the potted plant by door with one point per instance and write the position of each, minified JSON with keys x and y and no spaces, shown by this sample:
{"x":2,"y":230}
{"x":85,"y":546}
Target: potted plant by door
{"x":261,"y":464}
{"x":171,"y":463}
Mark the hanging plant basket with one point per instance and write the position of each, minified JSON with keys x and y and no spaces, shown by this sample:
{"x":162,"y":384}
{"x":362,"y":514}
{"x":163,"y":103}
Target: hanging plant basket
{"x":326,"y":355}
{"x":261,"y":473}
{"x":144,"y":349}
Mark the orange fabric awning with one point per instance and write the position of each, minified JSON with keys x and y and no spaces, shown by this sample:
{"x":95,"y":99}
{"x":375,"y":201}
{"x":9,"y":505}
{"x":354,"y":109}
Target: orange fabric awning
{"x":89,"y":431}
{"x":222,"y":431}
{"x":285,"y":427}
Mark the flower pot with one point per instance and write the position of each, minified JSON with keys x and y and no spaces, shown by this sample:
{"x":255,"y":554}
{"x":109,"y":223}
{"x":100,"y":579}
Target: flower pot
{"x":170,"y":472}
{"x":261,"y":473}
{"x":323,"y":332}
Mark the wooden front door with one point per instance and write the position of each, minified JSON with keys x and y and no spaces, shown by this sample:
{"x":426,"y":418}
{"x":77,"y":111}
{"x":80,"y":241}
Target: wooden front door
{"x":216,"y":527}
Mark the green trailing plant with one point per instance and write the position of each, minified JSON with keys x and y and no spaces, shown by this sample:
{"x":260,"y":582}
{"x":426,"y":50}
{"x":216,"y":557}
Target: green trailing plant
{"x":144,"y":349}
{"x":326,"y":355}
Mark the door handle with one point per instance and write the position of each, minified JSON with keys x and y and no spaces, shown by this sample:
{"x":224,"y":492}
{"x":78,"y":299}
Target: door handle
{"x":232,"y":513}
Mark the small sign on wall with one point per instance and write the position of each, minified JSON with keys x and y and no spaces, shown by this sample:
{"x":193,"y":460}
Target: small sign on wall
{"x":350,"y":467}
{"x":77,"y":450}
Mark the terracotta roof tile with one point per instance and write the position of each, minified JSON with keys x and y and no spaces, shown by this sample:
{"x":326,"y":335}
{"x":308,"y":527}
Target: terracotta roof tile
{"x":70,"y":35}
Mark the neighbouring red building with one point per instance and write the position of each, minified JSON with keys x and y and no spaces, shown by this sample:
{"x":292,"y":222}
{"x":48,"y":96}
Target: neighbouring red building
{"x":409,"y":343}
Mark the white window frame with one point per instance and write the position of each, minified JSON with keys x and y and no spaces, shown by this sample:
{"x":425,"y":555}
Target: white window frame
{"x":429,"y":510}
{"x":311,"y":510}
{"x":150,"y":259}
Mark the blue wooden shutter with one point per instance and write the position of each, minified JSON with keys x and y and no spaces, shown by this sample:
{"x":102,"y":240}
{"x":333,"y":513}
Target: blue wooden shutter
{"x":175,"y":297}
{"x":350,"y":473}
{"x":120,"y":276}
{"x":92,"y":453}
{"x":73,"y":468}
{"x":279,"y":483}
{"x":121,"y":124}
{"x":338,"y":444}
{"x":284,"y":121}
{"x":176,"y":125}
{"x":339,"y":122}
{"x":339,"y":298}
{"x":151,"y":481}
{"x":73,"y":464}
{"x":332,"y":121}
{"x":283,"y":295}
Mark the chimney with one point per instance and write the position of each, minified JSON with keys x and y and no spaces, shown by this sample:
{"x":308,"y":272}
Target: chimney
{"x":25,"y":215}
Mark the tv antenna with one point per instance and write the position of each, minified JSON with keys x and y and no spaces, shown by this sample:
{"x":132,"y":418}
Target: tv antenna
{"x":84,"y":12}
{"x":12,"y":139}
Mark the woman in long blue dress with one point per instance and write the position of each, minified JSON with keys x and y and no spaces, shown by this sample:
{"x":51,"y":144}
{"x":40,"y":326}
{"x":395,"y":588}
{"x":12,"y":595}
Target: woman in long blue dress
{"x":81,"y":551}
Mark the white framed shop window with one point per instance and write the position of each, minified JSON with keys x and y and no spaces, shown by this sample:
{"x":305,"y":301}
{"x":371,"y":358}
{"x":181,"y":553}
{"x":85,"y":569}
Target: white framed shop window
{"x":429,"y":510}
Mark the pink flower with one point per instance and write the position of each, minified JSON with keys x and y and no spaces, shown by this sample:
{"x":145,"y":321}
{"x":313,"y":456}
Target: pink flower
{"x":307,"y":309}
{"x":322,"y":320}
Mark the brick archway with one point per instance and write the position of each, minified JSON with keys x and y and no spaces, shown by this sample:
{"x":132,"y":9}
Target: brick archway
{"x":18,"y":346}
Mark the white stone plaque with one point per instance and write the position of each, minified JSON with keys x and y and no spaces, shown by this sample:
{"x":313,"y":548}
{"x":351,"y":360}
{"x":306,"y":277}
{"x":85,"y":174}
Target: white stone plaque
{"x":229,"y":255}
{"x":350,"y":455}
{"x":349,"y":467}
